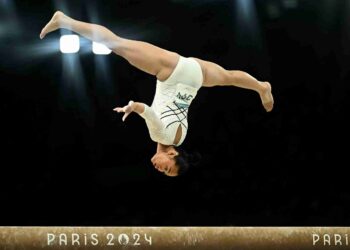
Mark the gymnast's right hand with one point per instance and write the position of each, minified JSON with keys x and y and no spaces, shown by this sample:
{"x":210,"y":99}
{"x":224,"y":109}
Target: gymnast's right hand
{"x":126,"y":109}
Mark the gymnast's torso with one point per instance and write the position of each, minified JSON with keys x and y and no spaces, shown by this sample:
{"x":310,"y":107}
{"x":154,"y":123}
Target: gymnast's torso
{"x":172,"y":100}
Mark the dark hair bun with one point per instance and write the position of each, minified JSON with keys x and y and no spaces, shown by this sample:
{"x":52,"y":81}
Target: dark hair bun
{"x":185,"y":160}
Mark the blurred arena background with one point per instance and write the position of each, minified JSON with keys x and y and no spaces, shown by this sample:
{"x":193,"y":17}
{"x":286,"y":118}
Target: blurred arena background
{"x":67,"y":159}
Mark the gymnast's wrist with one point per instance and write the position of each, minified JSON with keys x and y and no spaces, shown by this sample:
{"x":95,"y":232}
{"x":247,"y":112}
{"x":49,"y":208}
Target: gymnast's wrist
{"x":137,"y":107}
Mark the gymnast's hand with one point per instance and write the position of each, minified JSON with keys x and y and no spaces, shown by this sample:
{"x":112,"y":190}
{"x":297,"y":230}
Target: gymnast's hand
{"x":126,"y":109}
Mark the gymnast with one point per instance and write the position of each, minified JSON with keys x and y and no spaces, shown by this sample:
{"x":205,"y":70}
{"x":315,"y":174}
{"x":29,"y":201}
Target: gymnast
{"x":178,"y":81}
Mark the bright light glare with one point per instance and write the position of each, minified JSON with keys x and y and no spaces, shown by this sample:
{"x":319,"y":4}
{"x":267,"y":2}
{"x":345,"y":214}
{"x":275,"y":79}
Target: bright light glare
{"x":100,"y":49}
{"x":69,"y":44}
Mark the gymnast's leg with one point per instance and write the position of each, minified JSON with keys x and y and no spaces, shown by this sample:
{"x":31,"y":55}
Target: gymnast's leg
{"x":215,"y":75}
{"x":144,"y":56}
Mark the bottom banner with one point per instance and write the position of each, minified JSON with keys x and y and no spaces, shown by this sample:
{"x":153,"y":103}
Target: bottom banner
{"x":174,"y":238}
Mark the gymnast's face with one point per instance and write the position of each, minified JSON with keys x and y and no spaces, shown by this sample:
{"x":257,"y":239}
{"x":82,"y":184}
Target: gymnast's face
{"x":165,"y":162}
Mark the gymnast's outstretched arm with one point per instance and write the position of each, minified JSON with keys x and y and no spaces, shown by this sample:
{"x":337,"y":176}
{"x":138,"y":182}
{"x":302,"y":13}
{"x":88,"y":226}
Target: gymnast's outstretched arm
{"x":144,"y":56}
{"x":137,"y":107}
{"x":152,"y":120}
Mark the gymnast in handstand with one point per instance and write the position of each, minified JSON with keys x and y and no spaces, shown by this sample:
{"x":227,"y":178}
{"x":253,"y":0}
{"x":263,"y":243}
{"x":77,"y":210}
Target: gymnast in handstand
{"x":178,"y":80}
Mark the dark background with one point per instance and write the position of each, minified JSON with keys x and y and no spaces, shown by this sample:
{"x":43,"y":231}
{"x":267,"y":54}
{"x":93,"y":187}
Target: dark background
{"x":67,"y":159}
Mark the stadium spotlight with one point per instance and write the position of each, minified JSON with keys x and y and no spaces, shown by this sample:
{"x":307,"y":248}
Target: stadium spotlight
{"x":69,"y":44}
{"x":100,"y":49}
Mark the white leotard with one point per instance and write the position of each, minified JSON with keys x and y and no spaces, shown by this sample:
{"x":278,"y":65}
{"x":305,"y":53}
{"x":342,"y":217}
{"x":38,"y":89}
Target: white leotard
{"x":171,"y":102}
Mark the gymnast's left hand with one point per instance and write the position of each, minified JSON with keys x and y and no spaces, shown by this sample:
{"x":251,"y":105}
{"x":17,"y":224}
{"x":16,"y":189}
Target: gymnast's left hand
{"x":127,"y":110}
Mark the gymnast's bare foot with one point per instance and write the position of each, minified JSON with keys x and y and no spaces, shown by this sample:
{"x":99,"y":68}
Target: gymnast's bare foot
{"x":266,"y":96}
{"x":58,"y":20}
